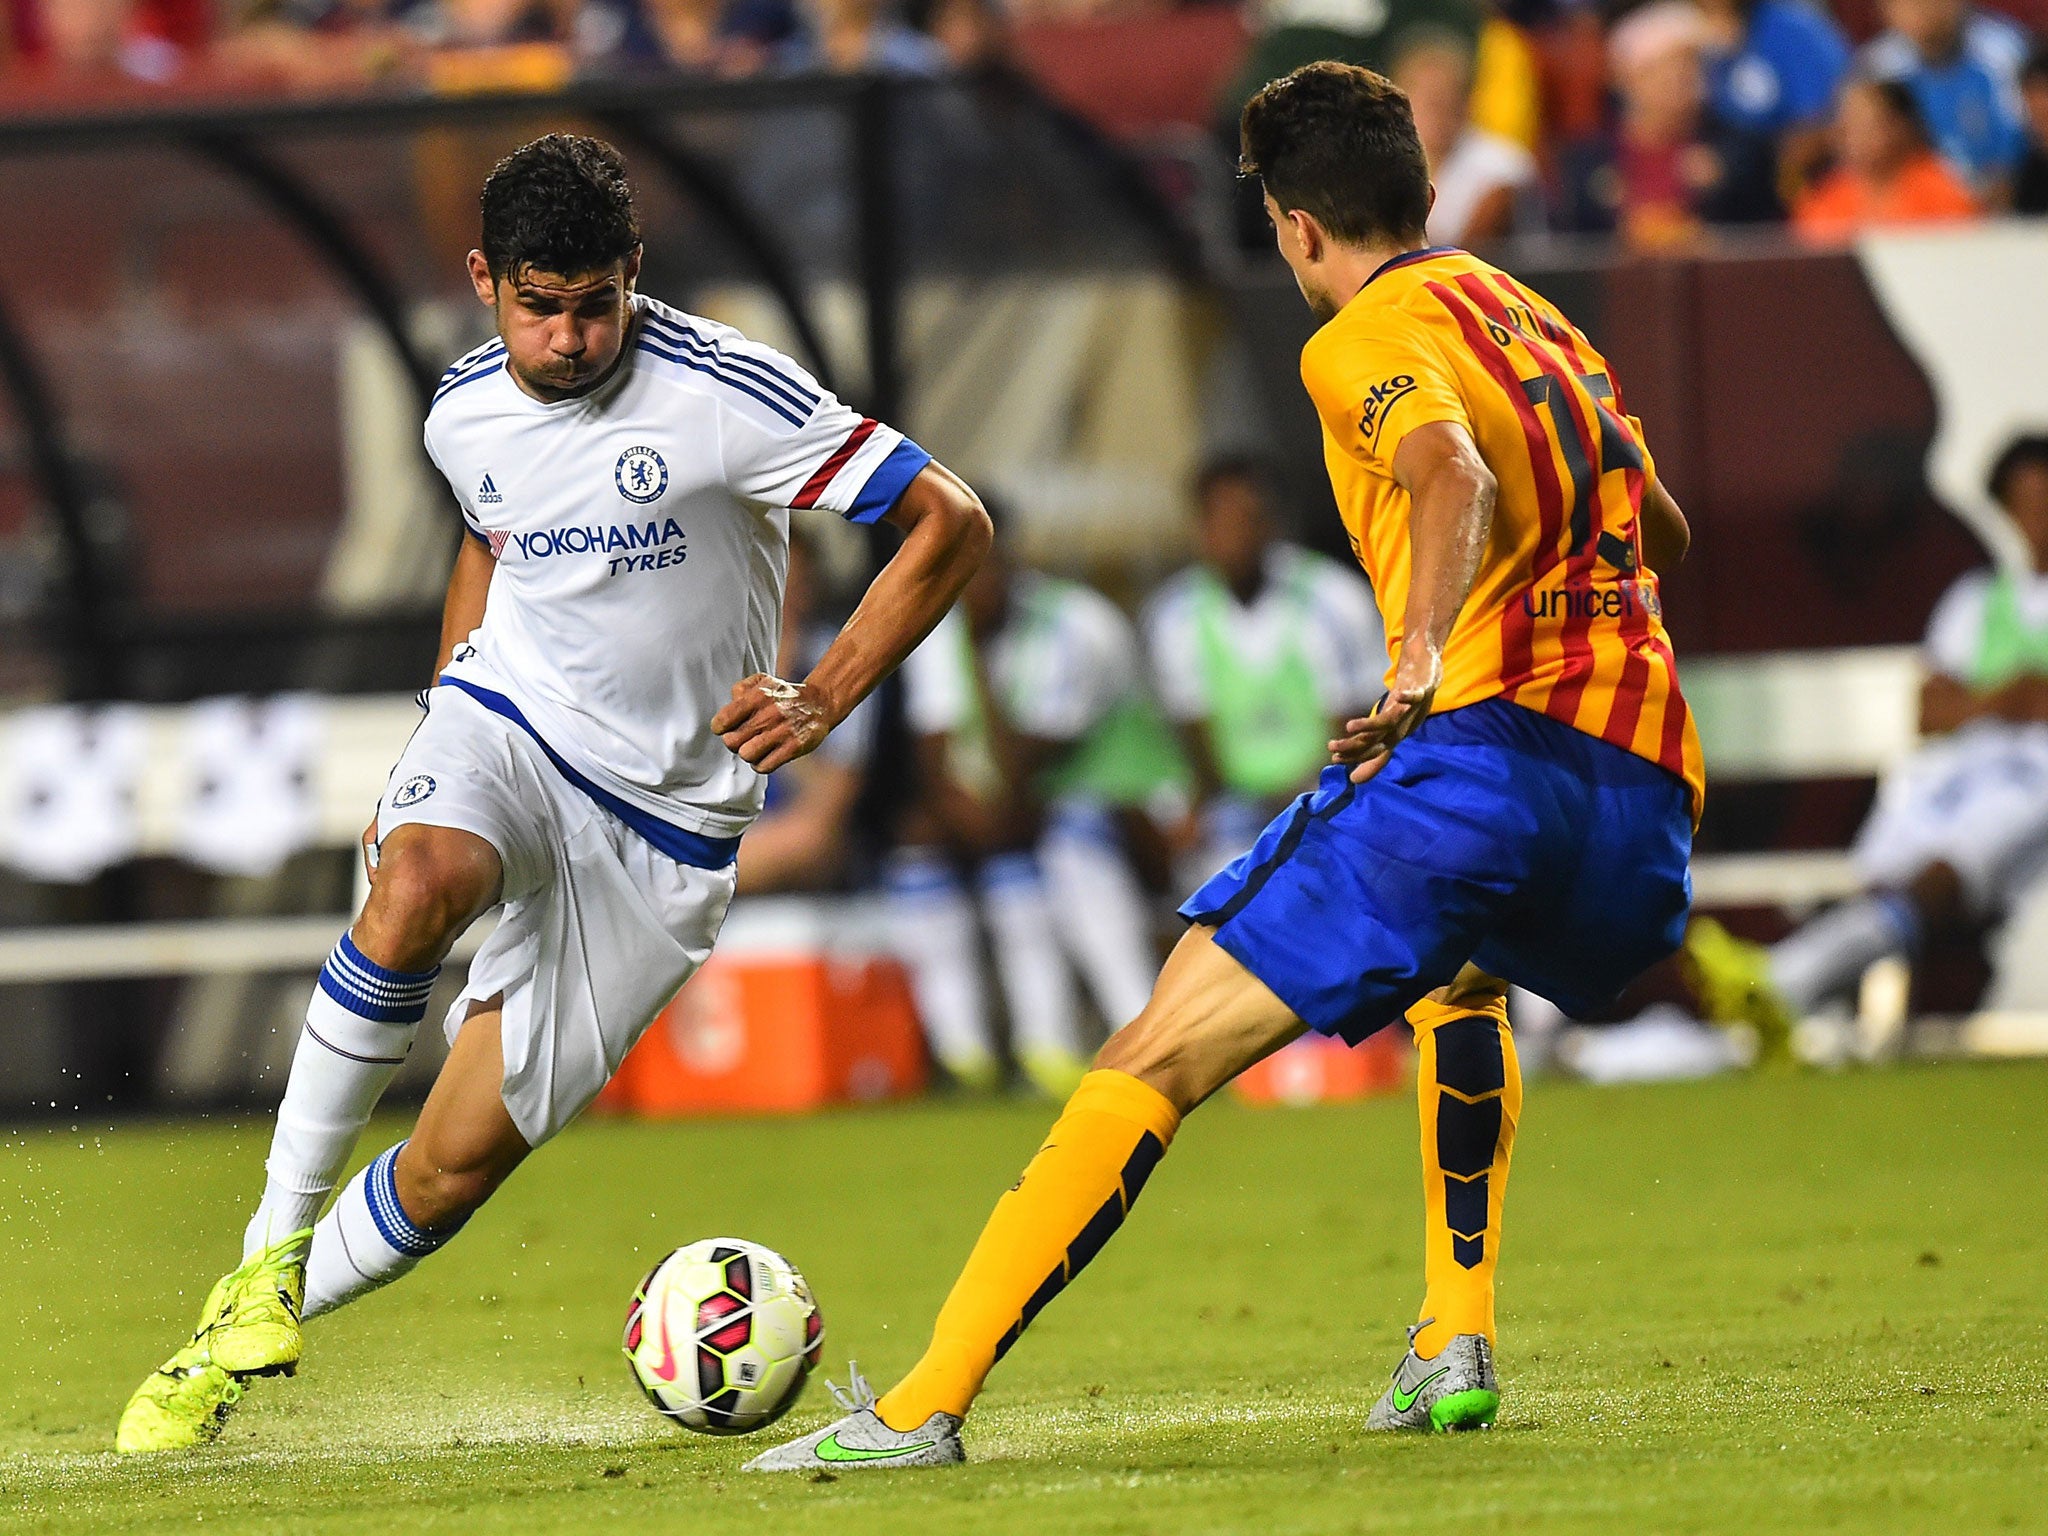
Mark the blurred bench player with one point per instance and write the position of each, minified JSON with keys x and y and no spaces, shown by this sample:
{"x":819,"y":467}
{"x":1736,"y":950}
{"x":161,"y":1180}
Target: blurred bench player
{"x":1519,"y":808}
{"x":1261,"y":651}
{"x":595,"y":744}
{"x":1960,"y":828}
{"x":1039,"y":746}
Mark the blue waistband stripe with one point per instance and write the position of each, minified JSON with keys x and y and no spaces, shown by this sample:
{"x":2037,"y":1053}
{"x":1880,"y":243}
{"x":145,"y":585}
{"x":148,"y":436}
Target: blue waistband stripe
{"x":369,"y":991}
{"x":684,"y":846}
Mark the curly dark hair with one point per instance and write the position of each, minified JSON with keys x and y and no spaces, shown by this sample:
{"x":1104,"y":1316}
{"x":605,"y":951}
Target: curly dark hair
{"x":560,"y":204}
{"x":1338,"y":142}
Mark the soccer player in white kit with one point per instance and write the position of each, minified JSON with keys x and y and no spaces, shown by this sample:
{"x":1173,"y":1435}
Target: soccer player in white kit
{"x":596,"y":742}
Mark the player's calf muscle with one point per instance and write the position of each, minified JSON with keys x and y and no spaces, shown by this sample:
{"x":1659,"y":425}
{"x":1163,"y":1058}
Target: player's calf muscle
{"x":431,"y":882}
{"x":1208,"y":1020}
{"x":465,"y":1144}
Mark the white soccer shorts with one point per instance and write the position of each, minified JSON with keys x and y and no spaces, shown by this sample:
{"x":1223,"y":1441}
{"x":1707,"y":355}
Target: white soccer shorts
{"x":599,"y":928}
{"x":1976,"y":801}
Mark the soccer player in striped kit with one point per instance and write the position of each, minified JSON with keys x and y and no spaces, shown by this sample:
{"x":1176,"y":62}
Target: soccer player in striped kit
{"x":596,"y":741}
{"x":1519,"y":807}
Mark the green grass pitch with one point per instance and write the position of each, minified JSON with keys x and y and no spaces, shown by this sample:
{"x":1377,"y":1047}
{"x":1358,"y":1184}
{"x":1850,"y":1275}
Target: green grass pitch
{"x":1781,"y":1303}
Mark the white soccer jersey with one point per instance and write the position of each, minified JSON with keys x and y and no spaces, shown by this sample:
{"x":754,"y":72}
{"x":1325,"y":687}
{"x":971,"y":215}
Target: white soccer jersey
{"x":641,"y":534}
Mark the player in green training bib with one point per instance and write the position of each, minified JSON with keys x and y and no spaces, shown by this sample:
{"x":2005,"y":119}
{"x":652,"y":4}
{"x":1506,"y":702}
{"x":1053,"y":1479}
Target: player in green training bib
{"x":1257,"y":650}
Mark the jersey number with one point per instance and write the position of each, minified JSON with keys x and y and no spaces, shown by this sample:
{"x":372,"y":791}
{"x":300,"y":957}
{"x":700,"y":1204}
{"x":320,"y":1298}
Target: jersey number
{"x":1618,"y":450}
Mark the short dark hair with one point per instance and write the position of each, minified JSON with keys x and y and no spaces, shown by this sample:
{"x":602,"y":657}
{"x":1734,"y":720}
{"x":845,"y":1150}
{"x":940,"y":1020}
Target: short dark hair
{"x":1225,"y":468}
{"x":560,"y":204}
{"x":2028,"y":448}
{"x":1338,"y":142}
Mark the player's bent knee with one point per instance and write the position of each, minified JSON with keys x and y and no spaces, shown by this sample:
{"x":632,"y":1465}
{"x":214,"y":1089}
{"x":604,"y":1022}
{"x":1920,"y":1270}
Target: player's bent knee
{"x":428,"y":888}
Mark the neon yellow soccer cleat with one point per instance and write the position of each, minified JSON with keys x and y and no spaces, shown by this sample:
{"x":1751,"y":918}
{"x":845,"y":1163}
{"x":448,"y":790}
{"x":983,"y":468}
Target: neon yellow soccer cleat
{"x":250,"y":1324}
{"x":183,"y":1404}
{"x":248,"y":1327}
{"x":1732,"y":978}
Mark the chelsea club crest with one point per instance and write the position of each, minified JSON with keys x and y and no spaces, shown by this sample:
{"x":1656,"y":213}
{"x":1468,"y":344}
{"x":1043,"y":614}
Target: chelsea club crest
{"x":413,"y":791}
{"x":642,"y":475}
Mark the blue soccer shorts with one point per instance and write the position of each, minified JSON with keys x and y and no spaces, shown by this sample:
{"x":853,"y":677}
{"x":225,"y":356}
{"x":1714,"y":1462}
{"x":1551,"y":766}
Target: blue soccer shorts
{"x":1494,"y":835}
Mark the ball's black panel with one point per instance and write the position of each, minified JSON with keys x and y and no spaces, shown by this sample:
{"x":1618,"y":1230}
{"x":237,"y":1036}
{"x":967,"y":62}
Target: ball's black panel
{"x":710,"y":1373}
{"x":739,"y":1276}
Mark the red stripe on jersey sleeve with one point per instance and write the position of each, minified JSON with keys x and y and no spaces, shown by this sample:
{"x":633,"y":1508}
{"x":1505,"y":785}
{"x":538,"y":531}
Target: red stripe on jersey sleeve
{"x":829,"y":470}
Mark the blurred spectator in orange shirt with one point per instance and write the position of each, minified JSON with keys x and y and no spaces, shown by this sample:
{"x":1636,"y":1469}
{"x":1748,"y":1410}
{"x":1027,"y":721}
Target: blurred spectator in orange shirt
{"x":1885,"y":173}
{"x":1484,"y":182}
{"x":1669,"y":167}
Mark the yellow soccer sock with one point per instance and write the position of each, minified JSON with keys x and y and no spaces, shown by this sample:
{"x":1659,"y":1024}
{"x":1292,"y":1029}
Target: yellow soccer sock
{"x":1469,"y":1091}
{"x":1053,"y":1220}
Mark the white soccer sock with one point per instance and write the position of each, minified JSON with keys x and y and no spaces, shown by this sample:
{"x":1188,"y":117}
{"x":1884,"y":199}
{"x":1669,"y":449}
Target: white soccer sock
{"x":932,"y":923}
{"x":1099,"y":911}
{"x":359,"y":1027}
{"x":1825,"y":956}
{"x":1036,"y":982}
{"x":367,"y":1240}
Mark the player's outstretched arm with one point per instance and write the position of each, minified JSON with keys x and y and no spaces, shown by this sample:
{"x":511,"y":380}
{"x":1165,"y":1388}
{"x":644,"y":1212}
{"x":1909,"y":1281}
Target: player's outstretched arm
{"x":946,"y":533}
{"x":1451,"y":494}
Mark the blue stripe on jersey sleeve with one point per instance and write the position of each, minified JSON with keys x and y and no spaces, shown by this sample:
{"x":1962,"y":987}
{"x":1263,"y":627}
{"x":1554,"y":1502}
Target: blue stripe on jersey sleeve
{"x":475,"y":533}
{"x":773,"y":402}
{"x":887,"y":484}
{"x":753,"y":369}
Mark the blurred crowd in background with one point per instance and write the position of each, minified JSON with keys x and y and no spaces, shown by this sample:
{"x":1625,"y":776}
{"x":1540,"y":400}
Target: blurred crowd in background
{"x":1656,"y":121}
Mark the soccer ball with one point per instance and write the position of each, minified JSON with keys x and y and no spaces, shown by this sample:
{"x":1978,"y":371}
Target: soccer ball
{"x":722,"y":1334}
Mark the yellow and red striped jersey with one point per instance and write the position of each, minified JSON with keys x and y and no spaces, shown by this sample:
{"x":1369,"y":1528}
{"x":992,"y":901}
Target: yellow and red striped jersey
{"x":1563,"y":618}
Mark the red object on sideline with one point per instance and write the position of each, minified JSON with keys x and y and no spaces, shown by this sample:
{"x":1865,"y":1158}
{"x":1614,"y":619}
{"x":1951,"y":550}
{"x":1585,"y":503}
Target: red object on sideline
{"x":1317,"y":1069}
{"x":777,"y":1022}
